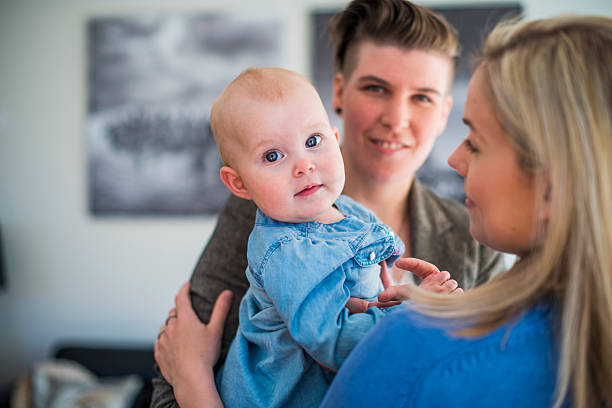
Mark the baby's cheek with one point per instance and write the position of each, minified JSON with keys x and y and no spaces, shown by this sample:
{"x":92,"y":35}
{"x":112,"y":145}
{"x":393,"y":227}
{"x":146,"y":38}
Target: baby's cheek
{"x":339,"y":179}
{"x":269,"y":200}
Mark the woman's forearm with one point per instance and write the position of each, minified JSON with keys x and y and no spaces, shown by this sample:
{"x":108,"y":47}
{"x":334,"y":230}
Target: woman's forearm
{"x":186,"y":350}
{"x":198,"y":391}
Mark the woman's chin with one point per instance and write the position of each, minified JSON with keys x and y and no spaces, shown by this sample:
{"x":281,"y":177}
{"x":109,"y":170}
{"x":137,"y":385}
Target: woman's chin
{"x":392,"y":174}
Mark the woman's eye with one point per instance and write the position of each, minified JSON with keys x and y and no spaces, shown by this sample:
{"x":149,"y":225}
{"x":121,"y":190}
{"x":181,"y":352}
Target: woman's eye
{"x":313,"y":140}
{"x":470,"y":146}
{"x":273,"y":156}
{"x":374,"y":88}
{"x":422,"y":98}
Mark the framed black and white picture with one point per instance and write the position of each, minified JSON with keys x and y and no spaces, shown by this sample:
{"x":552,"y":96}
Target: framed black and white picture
{"x":151,"y":82}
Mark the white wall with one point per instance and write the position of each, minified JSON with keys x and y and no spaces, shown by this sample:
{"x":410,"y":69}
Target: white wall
{"x":71,"y":275}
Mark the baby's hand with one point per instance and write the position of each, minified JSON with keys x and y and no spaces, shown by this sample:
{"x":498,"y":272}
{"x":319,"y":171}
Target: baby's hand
{"x":433,"y":279}
{"x":357,"y":305}
{"x":440,"y":282}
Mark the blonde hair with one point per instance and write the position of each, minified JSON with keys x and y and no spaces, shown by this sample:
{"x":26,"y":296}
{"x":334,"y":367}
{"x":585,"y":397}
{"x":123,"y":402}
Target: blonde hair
{"x":252,"y":85}
{"x":550,"y":85}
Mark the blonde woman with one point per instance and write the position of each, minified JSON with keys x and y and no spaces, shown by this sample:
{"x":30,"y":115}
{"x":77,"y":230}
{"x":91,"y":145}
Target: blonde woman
{"x":538,"y":179}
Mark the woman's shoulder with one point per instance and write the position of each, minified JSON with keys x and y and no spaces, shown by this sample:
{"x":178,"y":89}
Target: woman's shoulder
{"x":432,"y":215}
{"x":239,"y":209}
{"x":444,"y":207}
{"x":514,"y":365}
{"x":432,"y":366}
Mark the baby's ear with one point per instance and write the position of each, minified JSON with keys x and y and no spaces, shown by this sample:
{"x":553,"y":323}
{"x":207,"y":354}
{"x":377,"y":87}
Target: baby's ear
{"x":234,"y":182}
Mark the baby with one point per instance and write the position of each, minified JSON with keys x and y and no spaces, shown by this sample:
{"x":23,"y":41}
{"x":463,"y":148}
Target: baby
{"x":311,"y":248}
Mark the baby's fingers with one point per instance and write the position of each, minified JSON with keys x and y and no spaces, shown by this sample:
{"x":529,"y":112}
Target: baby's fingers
{"x":356,"y":305}
{"x":435,"y":279}
{"x":393,"y":293}
{"x":384,"y":305}
{"x":420,"y":268}
{"x":385,"y":276}
{"x":450,"y":285}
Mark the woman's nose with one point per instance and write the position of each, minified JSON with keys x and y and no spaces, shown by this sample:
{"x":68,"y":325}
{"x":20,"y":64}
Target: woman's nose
{"x":302,"y":167}
{"x":396,"y":115}
{"x":457,"y":161}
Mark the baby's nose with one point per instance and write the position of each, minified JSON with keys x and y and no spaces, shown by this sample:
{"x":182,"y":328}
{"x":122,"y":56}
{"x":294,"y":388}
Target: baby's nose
{"x":303,"y":166}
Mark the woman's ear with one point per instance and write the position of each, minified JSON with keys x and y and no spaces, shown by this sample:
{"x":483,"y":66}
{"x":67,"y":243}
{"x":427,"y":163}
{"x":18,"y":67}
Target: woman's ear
{"x":545,"y":199}
{"x":338,"y":85}
{"x":234,"y":182}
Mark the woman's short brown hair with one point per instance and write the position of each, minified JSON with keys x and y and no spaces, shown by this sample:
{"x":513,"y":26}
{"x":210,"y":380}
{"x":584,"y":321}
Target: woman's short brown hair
{"x":389,"y":22}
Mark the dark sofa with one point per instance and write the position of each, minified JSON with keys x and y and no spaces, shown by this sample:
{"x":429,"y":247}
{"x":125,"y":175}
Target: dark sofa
{"x":108,"y":360}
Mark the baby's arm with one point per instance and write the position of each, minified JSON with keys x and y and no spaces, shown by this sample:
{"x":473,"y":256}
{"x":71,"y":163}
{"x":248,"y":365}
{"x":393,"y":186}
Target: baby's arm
{"x":359,"y":305}
{"x":310,"y":297}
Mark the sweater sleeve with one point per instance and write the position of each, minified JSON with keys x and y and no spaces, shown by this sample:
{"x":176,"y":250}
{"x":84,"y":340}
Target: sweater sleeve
{"x":382,"y":370}
{"x":221,"y":266}
{"x":310,"y":294}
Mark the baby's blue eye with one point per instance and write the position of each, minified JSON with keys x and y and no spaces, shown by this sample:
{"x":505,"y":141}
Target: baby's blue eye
{"x":273,"y":156}
{"x":313,"y":140}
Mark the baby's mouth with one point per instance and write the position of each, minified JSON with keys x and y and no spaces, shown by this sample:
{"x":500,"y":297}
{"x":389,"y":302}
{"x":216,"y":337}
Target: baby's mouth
{"x":309,"y":190}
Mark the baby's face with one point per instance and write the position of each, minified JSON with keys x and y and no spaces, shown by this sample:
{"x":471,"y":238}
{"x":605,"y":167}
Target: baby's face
{"x":289,"y":157}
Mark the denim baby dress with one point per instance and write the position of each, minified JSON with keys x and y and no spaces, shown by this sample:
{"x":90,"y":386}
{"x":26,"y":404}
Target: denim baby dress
{"x":294,"y":330}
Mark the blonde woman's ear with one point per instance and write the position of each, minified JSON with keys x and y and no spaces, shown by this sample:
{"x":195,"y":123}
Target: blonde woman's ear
{"x":233,"y":181}
{"x":545,"y":199}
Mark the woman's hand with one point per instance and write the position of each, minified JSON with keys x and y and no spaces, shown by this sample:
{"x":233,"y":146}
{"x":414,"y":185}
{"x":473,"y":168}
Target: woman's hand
{"x":186,"y":350}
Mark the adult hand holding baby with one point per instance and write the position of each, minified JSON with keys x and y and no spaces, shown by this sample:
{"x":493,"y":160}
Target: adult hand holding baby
{"x":182,"y":336}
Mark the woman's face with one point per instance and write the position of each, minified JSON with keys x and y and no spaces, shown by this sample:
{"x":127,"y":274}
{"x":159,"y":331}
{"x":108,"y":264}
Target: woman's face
{"x":505,"y":208}
{"x":394,"y":105}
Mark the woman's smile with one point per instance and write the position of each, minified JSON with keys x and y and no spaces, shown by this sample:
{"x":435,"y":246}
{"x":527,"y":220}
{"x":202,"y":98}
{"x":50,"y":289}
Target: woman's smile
{"x":388,"y":146}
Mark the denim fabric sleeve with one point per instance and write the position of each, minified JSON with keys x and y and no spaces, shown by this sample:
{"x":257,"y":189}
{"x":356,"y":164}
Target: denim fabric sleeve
{"x":306,"y":282}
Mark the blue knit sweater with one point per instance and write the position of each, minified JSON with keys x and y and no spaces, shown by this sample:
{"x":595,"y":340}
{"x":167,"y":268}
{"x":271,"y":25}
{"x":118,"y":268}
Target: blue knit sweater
{"x":404,"y":362}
